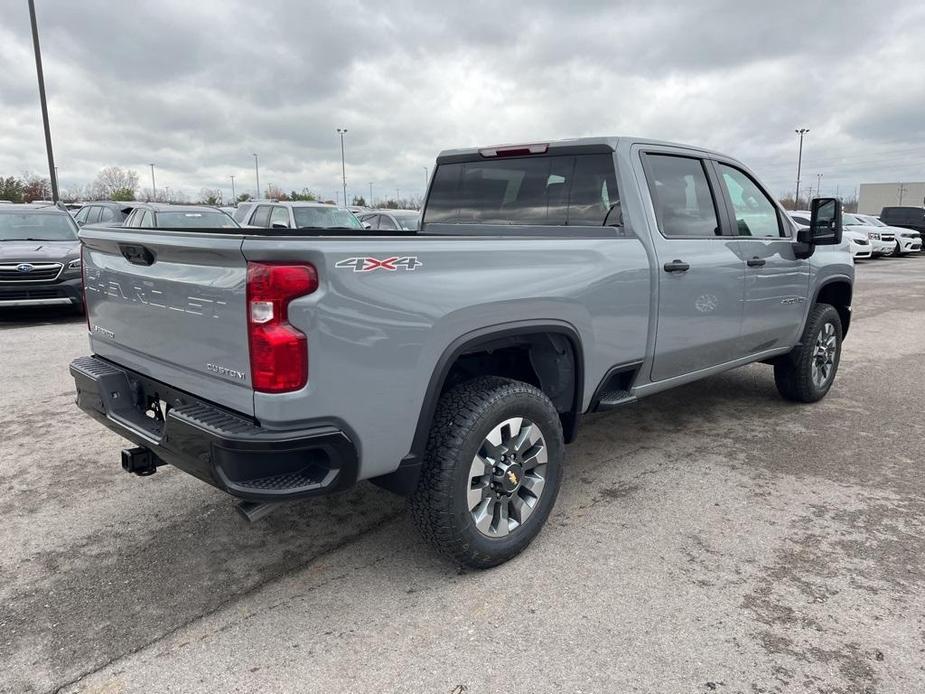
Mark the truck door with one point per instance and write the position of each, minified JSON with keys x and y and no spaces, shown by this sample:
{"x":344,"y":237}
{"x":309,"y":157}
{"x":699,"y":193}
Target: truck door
{"x":700,"y":273}
{"x":776,"y":281}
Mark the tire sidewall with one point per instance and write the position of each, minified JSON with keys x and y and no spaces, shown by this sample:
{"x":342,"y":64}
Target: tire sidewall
{"x":829,"y":315}
{"x":529,"y":406}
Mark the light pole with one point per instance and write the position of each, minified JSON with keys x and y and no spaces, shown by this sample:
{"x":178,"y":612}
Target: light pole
{"x":371,"y":194}
{"x":343,"y":167}
{"x":167,"y":194}
{"x":818,"y":183}
{"x":234,"y":198}
{"x":52,"y":173}
{"x":257,"y":171}
{"x":801,"y":132}
{"x":153,"y":186}
{"x":902,"y":189}
{"x":426,"y":179}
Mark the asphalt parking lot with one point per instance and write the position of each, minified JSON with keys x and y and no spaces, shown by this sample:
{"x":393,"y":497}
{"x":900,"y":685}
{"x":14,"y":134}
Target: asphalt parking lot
{"x":710,"y":539}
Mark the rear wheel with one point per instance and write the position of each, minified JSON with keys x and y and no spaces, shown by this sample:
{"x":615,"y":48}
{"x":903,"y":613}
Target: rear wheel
{"x":807,"y":373}
{"x":491,"y":473}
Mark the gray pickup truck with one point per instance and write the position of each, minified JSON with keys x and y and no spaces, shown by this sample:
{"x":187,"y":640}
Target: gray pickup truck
{"x":453,"y":364}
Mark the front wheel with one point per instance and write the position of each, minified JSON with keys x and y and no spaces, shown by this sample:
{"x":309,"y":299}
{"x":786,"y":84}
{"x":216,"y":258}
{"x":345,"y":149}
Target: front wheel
{"x":807,"y":373}
{"x":491,"y":473}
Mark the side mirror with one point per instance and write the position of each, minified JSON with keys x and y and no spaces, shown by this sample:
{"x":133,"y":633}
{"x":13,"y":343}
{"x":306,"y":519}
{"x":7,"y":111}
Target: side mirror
{"x":825,"y":226}
{"x":367,"y":225}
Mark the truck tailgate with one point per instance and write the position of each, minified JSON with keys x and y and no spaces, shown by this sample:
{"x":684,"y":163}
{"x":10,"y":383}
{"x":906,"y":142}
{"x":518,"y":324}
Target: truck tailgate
{"x":172,"y":306}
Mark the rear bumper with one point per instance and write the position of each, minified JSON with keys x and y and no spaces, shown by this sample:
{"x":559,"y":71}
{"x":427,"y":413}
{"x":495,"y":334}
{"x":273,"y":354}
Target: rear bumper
{"x":68,"y":292}
{"x":227,"y":450}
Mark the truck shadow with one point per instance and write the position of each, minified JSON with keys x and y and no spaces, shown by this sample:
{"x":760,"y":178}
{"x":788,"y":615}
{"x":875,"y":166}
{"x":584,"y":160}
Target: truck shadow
{"x":136,"y":578}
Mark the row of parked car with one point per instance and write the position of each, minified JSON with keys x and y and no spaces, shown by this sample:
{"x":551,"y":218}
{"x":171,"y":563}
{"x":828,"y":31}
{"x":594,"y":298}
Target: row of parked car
{"x":895,"y":232}
{"x":266,"y":214}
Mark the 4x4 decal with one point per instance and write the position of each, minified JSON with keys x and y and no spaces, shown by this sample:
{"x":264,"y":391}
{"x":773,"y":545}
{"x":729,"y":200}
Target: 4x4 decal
{"x":369,"y":264}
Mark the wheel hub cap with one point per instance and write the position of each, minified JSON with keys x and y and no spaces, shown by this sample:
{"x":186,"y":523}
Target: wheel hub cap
{"x":824,"y":353}
{"x":507,"y":477}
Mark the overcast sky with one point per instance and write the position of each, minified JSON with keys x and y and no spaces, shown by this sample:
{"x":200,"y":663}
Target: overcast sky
{"x":196,"y":87}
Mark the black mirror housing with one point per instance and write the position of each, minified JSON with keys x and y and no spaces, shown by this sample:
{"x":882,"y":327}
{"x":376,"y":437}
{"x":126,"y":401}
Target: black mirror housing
{"x":825,"y":227}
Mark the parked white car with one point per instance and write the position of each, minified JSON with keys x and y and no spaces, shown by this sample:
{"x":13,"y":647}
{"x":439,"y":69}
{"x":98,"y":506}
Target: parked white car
{"x":907,"y":240}
{"x":858,"y":242}
{"x":882,"y":240}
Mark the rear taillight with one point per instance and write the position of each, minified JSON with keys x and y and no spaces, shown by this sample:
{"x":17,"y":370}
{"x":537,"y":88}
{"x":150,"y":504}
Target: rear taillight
{"x":83,"y":286}
{"x":279,"y":352}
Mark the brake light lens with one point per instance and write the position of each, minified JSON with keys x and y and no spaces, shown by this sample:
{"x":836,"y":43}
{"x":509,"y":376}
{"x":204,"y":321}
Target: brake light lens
{"x":514,"y":150}
{"x":278,"y":352}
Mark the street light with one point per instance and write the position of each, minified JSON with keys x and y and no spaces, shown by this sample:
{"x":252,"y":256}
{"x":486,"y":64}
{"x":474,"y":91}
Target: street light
{"x":801,"y":132}
{"x":53,"y":174}
{"x":153,"y":186}
{"x":818,"y":183}
{"x":426,"y":179}
{"x":234,"y":197}
{"x":257,"y":171}
{"x":370,"y":193}
{"x":343,"y":167}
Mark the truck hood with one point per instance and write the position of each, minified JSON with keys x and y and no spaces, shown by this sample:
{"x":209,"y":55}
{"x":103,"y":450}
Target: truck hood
{"x":28,"y":251}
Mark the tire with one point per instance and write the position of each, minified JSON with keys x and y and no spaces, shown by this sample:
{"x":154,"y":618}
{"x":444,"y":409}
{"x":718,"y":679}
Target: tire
{"x":455,"y":506}
{"x":896,"y":252}
{"x":821,"y":343}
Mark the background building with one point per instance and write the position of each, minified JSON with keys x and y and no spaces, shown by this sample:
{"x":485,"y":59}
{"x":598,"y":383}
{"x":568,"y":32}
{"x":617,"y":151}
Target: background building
{"x":873,"y":197}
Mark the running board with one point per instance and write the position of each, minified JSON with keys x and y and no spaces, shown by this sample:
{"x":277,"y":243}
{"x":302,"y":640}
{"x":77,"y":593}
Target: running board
{"x":614,"y":399}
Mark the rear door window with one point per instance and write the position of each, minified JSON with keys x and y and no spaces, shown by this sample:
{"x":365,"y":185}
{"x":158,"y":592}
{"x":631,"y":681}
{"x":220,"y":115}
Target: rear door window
{"x":681,"y":195}
{"x":261,"y":216}
{"x":107,"y":215}
{"x":280,"y":215}
{"x":81,"y":215}
{"x":385,"y":222}
{"x":93,"y":215}
{"x":371,"y":219}
{"x":543,"y":191}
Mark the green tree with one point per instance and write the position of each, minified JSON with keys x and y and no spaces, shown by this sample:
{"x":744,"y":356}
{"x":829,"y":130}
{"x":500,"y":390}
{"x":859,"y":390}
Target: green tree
{"x":359,"y":200}
{"x":11,"y":188}
{"x":122,"y":195}
{"x":306,"y":195}
{"x":244,"y":197}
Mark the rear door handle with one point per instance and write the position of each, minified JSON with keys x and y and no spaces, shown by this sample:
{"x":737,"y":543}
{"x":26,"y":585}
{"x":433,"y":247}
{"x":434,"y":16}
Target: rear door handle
{"x":676,"y":266}
{"x":756,"y":262}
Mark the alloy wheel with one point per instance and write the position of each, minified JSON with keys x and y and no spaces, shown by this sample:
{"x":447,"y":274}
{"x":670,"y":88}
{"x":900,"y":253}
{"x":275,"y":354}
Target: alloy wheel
{"x":507,"y":477}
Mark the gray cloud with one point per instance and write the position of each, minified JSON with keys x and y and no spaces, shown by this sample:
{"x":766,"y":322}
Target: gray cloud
{"x":196,"y":87}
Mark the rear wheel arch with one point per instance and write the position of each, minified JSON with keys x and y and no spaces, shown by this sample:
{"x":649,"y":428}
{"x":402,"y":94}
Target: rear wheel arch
{"x":549,"y":344}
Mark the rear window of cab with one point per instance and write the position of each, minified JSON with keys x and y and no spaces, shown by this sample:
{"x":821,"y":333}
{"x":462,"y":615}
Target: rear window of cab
{"x":544,"y":191}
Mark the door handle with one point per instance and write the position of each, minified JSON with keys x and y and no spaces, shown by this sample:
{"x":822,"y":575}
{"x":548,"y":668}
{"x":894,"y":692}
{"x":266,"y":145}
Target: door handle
{"x":676,"y":266}
{"x":756,"y":262}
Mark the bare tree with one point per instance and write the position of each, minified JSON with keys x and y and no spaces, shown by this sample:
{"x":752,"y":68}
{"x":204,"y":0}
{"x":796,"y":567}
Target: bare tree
{"x":115,"y":183}
{"x":210,"y":196}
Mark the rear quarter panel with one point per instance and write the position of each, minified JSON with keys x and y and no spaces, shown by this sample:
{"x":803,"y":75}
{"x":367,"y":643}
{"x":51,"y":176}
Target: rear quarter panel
{"x":375,"y":337}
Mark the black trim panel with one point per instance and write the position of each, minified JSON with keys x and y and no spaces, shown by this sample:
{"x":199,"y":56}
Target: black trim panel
{"x":228,"y":450}
{"x":470,"y":343}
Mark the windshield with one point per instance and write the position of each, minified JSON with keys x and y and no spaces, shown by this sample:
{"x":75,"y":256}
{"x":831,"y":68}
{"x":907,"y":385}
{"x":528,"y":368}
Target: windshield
{"x":37,"y":227}
{"x":195,"y":220}
{"x":873,"y":221}
{"x":324,"y":218}
{"x":852,"y":221}
{"x":408,"y":222}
